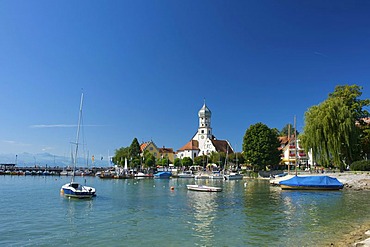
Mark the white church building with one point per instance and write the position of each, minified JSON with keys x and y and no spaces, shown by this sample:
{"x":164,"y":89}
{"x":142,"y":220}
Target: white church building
{"x":204,"y":142}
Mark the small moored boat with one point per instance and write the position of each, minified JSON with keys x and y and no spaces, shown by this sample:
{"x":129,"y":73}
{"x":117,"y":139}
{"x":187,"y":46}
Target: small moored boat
{"x":233,"y":176}
{"x":163,"y":175}
{"x":142,"y":175}
{"x":76,"y":190}
{"x":203,"y":188}
{"x":311,"y":183}
{"x":186,"y":174}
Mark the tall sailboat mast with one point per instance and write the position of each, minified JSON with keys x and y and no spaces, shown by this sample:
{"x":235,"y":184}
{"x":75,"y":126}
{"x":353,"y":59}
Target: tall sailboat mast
{"x":295,"y":146}
{"x":74,"y":189}
{"x":78,"y":135}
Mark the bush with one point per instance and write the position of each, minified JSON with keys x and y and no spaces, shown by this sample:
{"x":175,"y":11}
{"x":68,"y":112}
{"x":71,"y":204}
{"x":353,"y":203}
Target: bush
{"x":362,"y":165}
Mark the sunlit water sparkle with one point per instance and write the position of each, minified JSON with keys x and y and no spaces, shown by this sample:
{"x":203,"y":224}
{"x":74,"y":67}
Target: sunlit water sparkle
{"x":147,"y":212}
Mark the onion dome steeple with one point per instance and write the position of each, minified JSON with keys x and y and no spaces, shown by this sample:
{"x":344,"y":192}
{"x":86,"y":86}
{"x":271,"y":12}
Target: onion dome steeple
{"x":205,"y":129}
{"x":204,"y":112}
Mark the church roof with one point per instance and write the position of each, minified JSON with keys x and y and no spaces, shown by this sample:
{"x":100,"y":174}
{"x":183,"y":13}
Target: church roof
{"x":191,"y":145}
{"x":222,"y":146}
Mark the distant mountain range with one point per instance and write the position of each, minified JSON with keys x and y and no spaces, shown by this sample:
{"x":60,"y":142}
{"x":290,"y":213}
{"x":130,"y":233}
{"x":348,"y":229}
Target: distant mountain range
{"x":43,"y":159}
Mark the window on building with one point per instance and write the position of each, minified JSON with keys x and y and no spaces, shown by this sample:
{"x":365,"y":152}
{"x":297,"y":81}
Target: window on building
{"x":202,"y":131}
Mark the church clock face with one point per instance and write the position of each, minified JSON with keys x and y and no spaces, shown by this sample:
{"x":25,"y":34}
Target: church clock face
{"x":202,"y":136}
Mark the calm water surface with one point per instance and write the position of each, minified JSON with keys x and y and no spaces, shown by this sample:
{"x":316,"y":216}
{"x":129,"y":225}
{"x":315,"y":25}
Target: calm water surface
{"x":146,"y":212}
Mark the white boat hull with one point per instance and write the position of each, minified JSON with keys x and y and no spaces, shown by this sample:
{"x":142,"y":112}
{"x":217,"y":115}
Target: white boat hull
{"x":75,"y":190}
{"x":233,"y":176}
{"x":186,"y":176}
{"x":203,"y":188}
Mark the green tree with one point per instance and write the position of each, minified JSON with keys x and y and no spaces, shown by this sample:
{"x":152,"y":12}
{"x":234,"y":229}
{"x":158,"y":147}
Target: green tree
{"x":134,"y":150}
{"x":218,"y":158}
{"x":350,"y":94}
{"x":236,"y":158}
{"x":120,"y":155}
{"x":201,"y":160}
{"x":149,"y":159}
{"x":135,"y":162}
{"x":165,"y":161}
{"x":330,"y":128}
{"x":287,"y":130}
{"x":177,"y":162}
{"x":187,"y":162}
{"x":260,"y":146}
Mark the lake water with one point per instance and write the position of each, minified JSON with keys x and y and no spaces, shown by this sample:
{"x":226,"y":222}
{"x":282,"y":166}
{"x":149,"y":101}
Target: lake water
{"x":146,"y":212}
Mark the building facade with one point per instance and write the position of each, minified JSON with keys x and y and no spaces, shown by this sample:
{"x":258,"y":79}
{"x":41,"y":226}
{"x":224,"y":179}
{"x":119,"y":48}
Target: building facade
{"x":151,"y":147}
{"x":166,"y":153}
{"x":293,"y":152}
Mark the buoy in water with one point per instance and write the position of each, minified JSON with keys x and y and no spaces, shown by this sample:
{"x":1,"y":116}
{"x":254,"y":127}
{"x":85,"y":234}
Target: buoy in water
{"x":172,"y":188}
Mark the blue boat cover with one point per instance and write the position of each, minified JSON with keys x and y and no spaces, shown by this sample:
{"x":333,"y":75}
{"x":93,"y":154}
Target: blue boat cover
{"x":313,"y":181}
{"x":163,"y":174}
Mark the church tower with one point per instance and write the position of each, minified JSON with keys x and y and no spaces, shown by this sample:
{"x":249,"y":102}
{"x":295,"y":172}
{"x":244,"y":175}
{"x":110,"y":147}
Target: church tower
{"x":203,"y":142}
{"x":204,"y":129}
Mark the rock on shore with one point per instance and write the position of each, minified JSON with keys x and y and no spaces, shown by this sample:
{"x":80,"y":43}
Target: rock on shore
{"x":360,"y":181}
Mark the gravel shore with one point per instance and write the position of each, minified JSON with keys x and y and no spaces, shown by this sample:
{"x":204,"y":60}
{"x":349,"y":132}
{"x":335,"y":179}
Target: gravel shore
{"x":355,"y":181}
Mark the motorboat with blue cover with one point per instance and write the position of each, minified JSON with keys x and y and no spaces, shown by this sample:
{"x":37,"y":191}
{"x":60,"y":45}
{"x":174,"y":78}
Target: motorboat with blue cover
{"x":311,"y":183}
{"x":163,"y":175}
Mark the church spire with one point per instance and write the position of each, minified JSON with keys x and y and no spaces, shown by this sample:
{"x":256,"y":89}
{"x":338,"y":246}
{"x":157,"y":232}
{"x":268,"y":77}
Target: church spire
{"x":204,"y":115}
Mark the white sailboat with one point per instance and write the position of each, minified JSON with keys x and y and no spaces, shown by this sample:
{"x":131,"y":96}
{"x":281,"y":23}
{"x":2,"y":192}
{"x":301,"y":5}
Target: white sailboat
{"x":232,"y":175}
{"x":74,"y":189}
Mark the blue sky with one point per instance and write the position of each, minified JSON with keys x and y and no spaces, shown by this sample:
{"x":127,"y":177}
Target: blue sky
{"x":146,"y":66}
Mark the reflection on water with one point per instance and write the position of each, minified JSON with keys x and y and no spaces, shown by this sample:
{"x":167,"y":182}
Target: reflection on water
{"x":78,"y":208}
{"x":204,"y":208}
{"x":311,"y":211}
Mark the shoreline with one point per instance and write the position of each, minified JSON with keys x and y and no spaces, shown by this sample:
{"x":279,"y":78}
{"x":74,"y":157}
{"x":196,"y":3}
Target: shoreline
{"x":350,"y":180}
{"x":357,"y":236}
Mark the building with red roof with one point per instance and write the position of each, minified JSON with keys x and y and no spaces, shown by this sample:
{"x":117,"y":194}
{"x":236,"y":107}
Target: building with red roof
{"x":204,"y":142}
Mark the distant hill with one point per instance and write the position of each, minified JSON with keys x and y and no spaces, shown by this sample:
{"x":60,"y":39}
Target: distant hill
{"x":42,"y":159}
